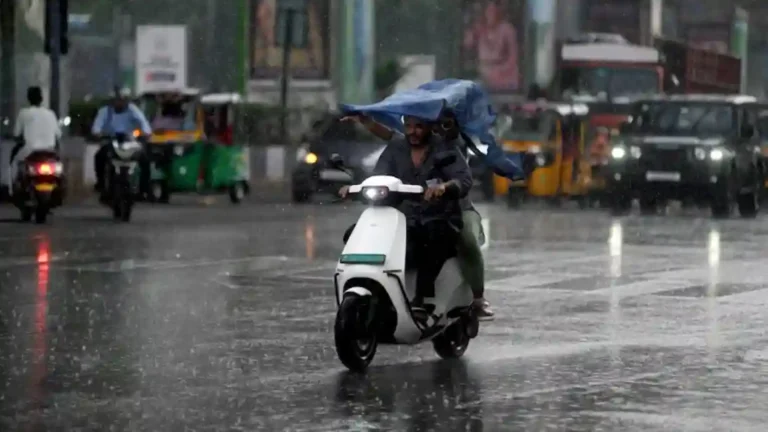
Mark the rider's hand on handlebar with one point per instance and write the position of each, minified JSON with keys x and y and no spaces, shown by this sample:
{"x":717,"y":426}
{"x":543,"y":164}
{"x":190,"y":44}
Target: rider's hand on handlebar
{"x":343,"y":191}
{"x":434,"y":192}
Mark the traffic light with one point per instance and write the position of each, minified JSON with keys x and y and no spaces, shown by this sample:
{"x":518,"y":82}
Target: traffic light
{"x":59,"y":10}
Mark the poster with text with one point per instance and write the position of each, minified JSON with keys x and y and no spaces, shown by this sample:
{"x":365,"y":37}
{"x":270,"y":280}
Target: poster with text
{"x":309,"y":60}
{"x":492,"y":43}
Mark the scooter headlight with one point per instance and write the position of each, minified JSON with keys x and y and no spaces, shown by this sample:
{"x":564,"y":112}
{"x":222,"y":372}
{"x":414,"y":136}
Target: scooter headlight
{"x":375,"y":194}
{"x":716,"y":155}
{"x":635,"y":152}
{"x":618,"y":153}
{"x":700,"y":153}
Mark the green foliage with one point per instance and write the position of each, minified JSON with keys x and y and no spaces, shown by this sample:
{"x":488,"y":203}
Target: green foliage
{"x":82,"y":115}
{"x":387,"y":75}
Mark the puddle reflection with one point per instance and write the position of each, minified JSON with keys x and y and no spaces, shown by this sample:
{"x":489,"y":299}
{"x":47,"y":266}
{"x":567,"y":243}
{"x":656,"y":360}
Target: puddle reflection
{"x":615,"y":245}
{"x":713,"y":259}
{"x":309,"y":238}
{"x":38,"y":370}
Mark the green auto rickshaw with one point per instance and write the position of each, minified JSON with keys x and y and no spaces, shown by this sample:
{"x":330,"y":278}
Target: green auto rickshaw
{"x":193,"y":147}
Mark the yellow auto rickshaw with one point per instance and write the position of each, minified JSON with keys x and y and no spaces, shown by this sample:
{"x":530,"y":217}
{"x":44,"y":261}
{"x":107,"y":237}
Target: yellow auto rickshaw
{"x":175,"y":116}
{"x":553,"y":135}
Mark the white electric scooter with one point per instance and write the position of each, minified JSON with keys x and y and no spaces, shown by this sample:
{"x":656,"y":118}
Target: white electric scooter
{"x":374,"y":290}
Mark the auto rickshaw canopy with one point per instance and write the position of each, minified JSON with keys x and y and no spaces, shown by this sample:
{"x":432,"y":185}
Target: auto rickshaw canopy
{"x":175,"y":115}
{"x":220,"y":116}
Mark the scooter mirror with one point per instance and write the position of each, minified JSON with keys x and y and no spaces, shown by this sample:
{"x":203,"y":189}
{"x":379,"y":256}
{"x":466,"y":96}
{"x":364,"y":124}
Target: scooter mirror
{"x":337,"y":161}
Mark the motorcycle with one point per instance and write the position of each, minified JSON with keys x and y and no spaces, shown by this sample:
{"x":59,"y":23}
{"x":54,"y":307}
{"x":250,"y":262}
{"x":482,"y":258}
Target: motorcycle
{"x":374,"y":290}
{"x":39,"y":186}
{"x":121,"y":185}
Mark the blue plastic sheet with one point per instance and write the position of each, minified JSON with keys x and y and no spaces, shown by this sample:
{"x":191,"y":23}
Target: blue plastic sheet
{"x":468,"y":101}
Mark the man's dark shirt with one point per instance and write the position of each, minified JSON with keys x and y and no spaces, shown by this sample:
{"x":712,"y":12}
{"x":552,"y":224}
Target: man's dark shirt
{"x":396,"y":161}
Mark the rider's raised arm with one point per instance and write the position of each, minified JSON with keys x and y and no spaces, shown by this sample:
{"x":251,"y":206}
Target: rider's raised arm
{"x":378,"y":130}
{"x":459,"y":177}
{"x":139,"y":116}
{"x":99,"y":121}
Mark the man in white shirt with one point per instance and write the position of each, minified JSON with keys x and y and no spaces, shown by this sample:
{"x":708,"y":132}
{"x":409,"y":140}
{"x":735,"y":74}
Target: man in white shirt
{"x":36,"y":128}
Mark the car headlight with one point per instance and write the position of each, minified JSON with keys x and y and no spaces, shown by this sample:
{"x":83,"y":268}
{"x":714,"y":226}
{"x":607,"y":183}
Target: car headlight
{"x":700,"y":153}
{"x":375,"y":193}
{"x":310,"y":158}
{"x":618,"y":153}
{"x":716,"y":155}
{"x":635,"y":152}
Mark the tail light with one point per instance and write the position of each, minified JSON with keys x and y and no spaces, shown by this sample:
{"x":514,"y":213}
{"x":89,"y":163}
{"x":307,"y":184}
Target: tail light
{"x":46,"y":169}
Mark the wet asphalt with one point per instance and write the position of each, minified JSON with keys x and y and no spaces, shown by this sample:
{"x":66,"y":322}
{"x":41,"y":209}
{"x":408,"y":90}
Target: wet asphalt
{"x":219,"y":318}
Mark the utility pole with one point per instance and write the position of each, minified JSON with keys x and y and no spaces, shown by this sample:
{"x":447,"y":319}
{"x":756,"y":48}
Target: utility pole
{"x":285,"y":76}
{"x":54,"y":11}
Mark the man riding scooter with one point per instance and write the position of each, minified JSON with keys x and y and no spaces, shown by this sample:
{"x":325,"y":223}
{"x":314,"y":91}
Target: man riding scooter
{"x":36,"y":129}
{"x":471,"y":257}
{"x":120,"y":117}
{"x":433,"y":225}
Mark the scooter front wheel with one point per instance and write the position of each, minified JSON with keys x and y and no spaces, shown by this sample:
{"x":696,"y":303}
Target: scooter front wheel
{"x":453,"y":342}
{"x":355,"y":346}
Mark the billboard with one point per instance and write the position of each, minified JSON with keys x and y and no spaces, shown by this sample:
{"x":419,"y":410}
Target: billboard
{"x":161,"y":58}
{"x":492,"y":43}
{"x":357,"y":55}
{"x":310,"y":61}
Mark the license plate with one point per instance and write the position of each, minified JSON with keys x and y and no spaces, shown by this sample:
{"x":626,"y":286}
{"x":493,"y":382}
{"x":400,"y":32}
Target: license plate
{"x":662,"y":176}
{"x":334,"y":175}
{"x":44,"y":187}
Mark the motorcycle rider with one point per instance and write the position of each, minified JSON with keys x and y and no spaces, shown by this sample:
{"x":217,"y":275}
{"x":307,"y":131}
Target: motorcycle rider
{"x":434,"y":224}
{"x":36,"y":128}
{"x":120,"y":117}
{"x":471,"y":257}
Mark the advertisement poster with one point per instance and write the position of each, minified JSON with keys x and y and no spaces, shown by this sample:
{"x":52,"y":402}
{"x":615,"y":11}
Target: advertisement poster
{"x":492,"y":43}
{"x":161,"y":58}
{"x":617,"y":16}
{"x":266,"y":54}
{"x":358,"y":53}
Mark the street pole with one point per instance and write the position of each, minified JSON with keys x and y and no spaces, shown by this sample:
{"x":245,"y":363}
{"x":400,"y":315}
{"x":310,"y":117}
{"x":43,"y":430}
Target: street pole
{"x":287,"y":44}
{"x":54,"y":13}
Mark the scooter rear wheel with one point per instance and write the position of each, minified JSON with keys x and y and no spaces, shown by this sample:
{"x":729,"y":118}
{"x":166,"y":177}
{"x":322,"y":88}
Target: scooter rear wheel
{"x":453,"y":342}
{"x":354,"y":348}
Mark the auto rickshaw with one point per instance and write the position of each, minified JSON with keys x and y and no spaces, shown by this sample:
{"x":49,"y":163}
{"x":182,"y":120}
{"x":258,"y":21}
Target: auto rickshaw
{"x":193,"y":150}
{"x":554,"y":134}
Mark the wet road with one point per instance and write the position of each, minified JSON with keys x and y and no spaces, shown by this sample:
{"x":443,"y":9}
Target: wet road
{"x":220,"y":318}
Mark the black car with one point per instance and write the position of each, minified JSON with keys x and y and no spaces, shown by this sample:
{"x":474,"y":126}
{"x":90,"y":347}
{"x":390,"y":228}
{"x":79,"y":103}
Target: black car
{"x":703,"y":148}
{"x":314,"y":172}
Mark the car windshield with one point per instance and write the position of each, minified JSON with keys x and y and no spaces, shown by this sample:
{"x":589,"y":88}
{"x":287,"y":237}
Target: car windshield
{"x":683,"y":118}
{"x":343,"y":137}
{"x":523,"y":126}
{"x":609,"y":82}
